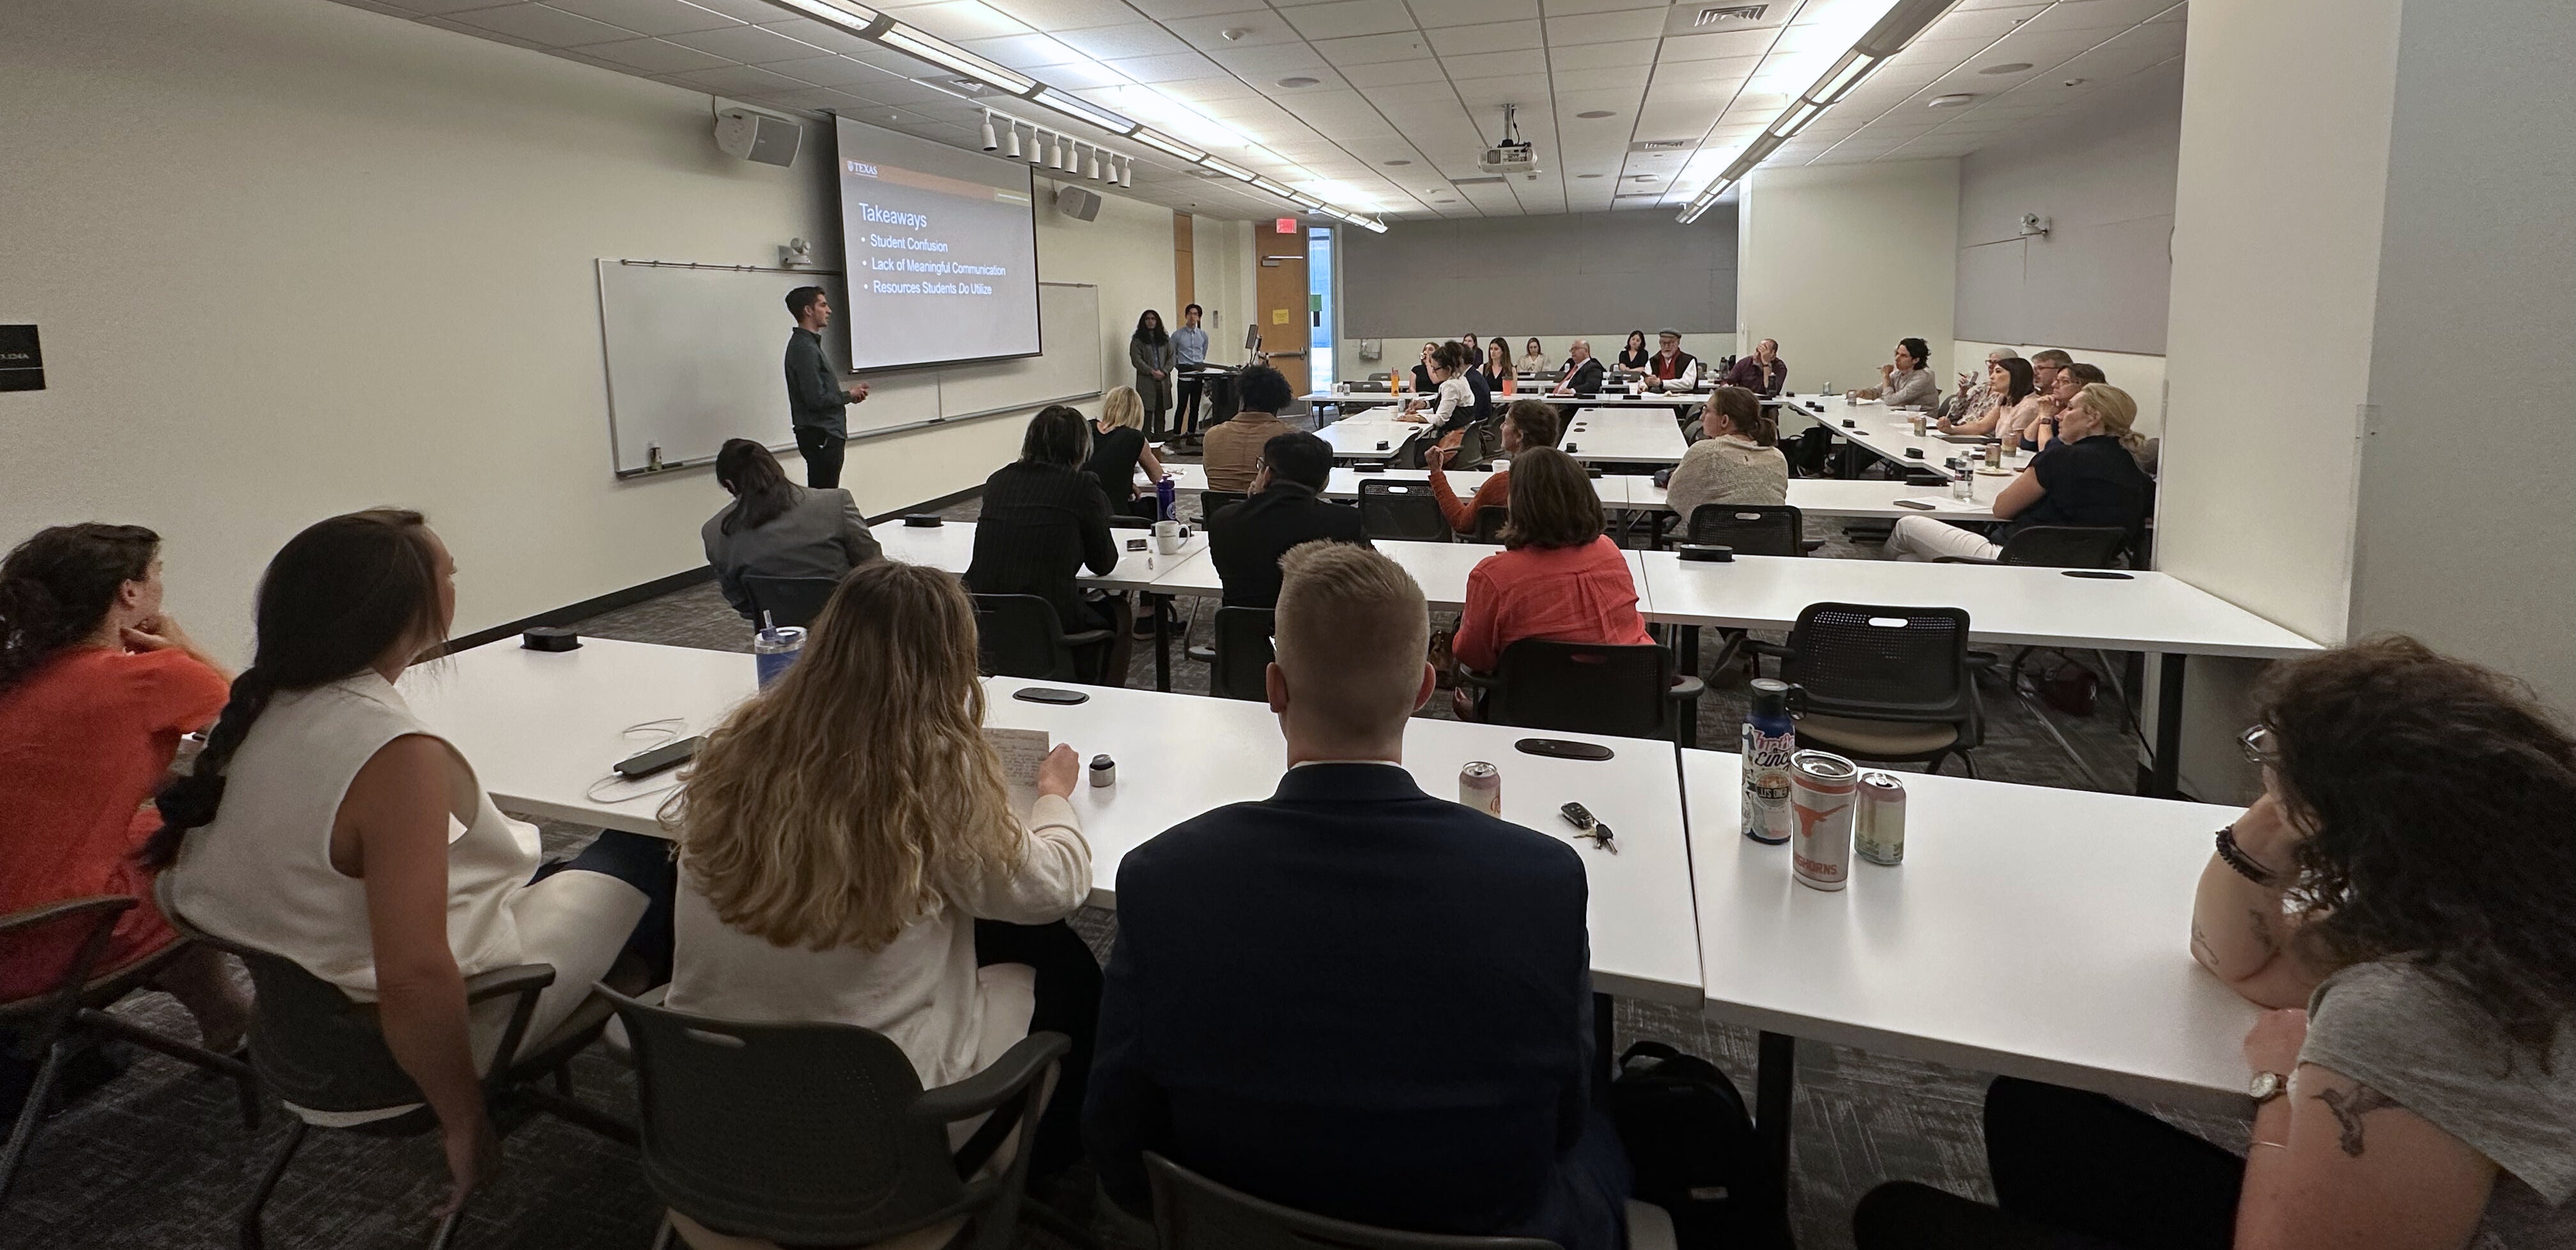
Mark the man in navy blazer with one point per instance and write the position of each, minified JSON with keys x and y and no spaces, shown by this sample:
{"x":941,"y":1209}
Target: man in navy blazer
{"x":1354,"y":998}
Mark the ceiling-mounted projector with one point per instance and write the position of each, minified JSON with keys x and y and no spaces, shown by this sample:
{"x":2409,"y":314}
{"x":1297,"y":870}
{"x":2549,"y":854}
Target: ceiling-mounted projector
{"x":1512,"y":154}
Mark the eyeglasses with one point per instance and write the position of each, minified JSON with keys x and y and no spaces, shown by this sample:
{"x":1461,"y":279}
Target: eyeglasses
{"x":2260,"y":745}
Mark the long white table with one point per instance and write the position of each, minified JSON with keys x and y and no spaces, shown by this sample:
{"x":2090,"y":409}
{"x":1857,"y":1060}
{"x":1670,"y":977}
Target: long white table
{"x":541,"y":730}
{"x":1814,"y":496}
{"x":1657,"y":401}
{"x":1595,"y":434}
{"x":2033,"y":932}
{"x":1887,"y":434}
{"x":951,"y":546}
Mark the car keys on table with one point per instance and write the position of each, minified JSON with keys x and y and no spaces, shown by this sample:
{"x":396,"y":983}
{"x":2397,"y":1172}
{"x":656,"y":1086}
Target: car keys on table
{"x":1582,"y":819}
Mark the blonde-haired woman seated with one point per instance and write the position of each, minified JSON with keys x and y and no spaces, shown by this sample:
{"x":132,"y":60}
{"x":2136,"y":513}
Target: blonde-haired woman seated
{"x":848,"y":853}
{"x":2086,"y":473}
{"x":1117,"y":446}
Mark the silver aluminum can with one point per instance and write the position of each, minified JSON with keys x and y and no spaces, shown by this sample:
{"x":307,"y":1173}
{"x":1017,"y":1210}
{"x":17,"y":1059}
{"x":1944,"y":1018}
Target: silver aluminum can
{"x":1480,"y":786}
{"x":1823,"y":791}
{"x":1878,"y":828}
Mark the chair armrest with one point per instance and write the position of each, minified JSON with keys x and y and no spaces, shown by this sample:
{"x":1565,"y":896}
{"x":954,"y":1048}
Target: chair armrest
{"x":1086,"y":637}
{"x":1687,"y":690}
{"x":1025,"y":1061}
{"x":1481,"y":681}
{"x":1963,"y":560}
{"x":525,"y":981}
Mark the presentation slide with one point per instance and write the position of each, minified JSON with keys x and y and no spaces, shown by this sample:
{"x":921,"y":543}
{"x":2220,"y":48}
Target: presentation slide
{"x":943,"y":251}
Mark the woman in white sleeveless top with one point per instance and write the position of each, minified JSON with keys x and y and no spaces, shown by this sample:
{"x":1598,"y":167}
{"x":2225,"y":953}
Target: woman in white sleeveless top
{"x":849,"y":853}
{"x":326,"y":824}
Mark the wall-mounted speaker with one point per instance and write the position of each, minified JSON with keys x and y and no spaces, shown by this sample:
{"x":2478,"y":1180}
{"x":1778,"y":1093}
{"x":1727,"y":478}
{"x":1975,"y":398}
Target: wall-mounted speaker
{"x":1076,"y":203}
{"x":755,"y":136}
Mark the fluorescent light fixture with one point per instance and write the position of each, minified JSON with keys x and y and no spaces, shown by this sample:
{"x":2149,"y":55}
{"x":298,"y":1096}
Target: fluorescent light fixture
{"x":854,"y":18}
{"x":1796,"y":118}
{"x":1168,"y":147}
{"x":1230,"y":171}
{"x":1275,"y":188}
{"x":1845,"y":75}
{"x":949,"y":56}
{"x":1080,"y":110}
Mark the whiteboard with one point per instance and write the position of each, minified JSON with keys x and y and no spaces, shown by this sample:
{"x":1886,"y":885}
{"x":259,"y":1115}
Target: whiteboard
{"x":695,"y":355}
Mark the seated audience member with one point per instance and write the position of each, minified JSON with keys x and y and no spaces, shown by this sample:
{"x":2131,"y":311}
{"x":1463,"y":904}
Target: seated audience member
{"x":2069,"y":381}
{"x":1423,"y":382}
{"x":1497,"y":368}
{"x":1527,"y":423}
{"x":2006,"y":387}
{"x":97,"y":683}
{"x":1633,"y":355}
{"x":1230,"y":452}
{"x":1558,"y":577}
{"x":1670,"y":363}
{"x":1458,"y":399}
{"x":1044,"y":521}
{"x":894,"y":890}
{"x":326,"y":823}
{"x":1736,"y":462}
{"x":1287,"y":509}
{"x":1977,"y":396}
{"x":2089,"y":476}
{"x":2045,"y":365}
{"x":1582,"y":372}
{"x":1445,"y":1091}
{"x":775,"y":528}
{"x":2403,"y":878}
{"x":1117,"y":447}
{"x":1534,"y":358}
{"x":1906,"y":382}
{"x":1763,"y":372}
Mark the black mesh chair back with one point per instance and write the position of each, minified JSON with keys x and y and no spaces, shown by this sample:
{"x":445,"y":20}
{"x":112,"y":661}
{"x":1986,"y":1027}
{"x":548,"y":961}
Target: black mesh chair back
{"x":2066,"y":547}
{"x":56,"y":945}
{"x":1401,"y":510}
{"x":1192,"y":1212}
{"x":1809,"y":451}
{"x":1868,"y":662}
{"x":1243,"y":653}
{"x":789,"y":600}
{"x":1581,"y":687}
{"x":1212,"y":502}
{"x":1753,"y":529}
{"x":1489,"y":522}
{"x":1021,"y":636}
{"x":821,"y":1134}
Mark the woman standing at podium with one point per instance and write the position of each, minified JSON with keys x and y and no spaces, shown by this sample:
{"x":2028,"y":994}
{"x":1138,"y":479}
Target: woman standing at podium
{"x":1150,"y":350}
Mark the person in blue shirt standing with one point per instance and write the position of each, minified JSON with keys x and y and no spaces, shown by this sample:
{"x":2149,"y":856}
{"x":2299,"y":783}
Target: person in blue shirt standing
{"x":1190,"y":342}
{"x":815,"y":396}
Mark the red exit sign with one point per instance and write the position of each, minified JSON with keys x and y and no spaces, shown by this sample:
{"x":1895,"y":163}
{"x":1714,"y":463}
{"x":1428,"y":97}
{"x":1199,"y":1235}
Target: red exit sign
{"x":1285,"y":225}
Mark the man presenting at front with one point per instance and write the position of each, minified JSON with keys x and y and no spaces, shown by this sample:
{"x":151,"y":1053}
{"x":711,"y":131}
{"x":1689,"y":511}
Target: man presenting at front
{"x":815,"y":397}
{"x":1189,"y":350}
{"x":1353,"y":997}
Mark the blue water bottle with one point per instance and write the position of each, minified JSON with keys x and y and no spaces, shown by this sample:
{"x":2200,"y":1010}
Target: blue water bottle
{"x":774,"y":647}
{"x":1166,"y":498}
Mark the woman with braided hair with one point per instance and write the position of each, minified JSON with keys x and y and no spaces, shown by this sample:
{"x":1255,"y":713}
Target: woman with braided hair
{"x":97,"y":684}
{"x":325,"y":823}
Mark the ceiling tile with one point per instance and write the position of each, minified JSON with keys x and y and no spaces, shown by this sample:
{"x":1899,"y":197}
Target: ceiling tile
{"x":653,"y":56}
{"x":747,"y":10}
{"x":1064,"y":15}
{"x":959,"y":20}
{"x":1390,"y":73}
{"x":1605,"y":27}
{"x":1269,"y":60}
{"x":830,"y":40}
{"x":1437,"y":13}
{"x":1626,"y":54}
{"x":1597,"y":79}
{"x":1374,"y":49}
{"x":647,"y":17}
{"x":1531,"y":64}
{"x":1258,"y":28}
{"x":1128,"y":40}
{"x":1163,"y":69}
{"x":827,"y":71}
{"x":1721,"y":45}
{"x":1486,"y":37}
{"x":736,"y":80}
{"x":1349,"y":17}
{"x":1023,"y":51}
{"x":750,"y":45}
{"x":541,"y":24}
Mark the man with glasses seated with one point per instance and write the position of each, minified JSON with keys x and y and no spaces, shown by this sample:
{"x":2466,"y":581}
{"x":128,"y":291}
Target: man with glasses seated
{"x":1287,"y":508}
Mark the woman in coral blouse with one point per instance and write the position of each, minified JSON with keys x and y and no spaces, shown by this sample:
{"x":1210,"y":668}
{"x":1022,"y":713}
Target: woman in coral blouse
{"x":1557,"y":577}
{"x":97,"y":685}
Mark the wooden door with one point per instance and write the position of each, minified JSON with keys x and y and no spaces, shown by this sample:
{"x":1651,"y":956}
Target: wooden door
{"x":1280,"y":298}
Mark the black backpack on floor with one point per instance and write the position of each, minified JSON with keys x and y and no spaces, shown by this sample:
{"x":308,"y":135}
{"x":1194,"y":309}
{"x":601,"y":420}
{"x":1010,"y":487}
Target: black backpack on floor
{"x":1690,"y":1140}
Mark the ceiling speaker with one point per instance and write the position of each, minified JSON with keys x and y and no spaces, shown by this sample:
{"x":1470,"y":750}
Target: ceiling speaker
{"x":1077,"y":203}
{"x":752,"y":136}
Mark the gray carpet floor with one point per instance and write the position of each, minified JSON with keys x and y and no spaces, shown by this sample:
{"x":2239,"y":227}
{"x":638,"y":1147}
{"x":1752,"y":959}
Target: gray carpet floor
{"x":159,"y":1158}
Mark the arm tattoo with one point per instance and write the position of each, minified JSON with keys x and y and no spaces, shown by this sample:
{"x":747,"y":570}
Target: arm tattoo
{"x":2348,"y":1110}
{"x":2200,"y":946}
{"x":2263,"y":932}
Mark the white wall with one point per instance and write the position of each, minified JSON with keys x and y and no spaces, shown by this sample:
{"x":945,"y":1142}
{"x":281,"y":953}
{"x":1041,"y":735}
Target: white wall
{"x":1222,"y":259}
{"x":2467,"y":502}
{"x":2143,"y":377}
{"x":2104,"y":177}
{"x":292,"y":258}
{"x":1127,"y":252}
{"x":1838,"y":262}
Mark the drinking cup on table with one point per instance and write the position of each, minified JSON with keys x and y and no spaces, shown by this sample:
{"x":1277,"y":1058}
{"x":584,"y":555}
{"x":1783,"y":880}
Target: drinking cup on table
{"x":1167,"y":537}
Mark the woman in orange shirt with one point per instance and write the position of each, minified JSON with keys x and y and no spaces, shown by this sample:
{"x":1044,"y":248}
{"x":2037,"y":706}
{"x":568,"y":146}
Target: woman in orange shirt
{"x":97,"y":684}
{"x":1556,"y":578}
{"x":1527,"y":423}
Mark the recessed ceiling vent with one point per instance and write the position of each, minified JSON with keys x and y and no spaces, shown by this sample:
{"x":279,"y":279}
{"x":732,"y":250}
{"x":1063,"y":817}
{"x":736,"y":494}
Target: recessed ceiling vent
{"x":1722,"y":14}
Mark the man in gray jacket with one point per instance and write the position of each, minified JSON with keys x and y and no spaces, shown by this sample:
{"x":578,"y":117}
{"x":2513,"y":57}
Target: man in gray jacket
{"x":815,"y":397}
